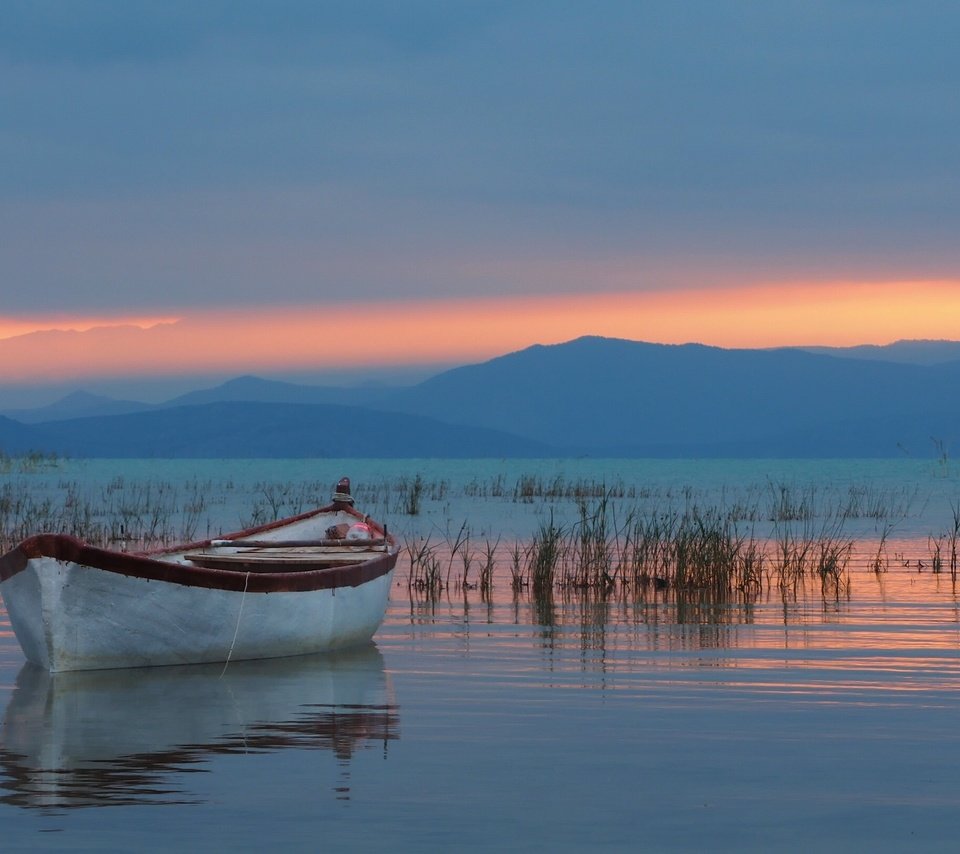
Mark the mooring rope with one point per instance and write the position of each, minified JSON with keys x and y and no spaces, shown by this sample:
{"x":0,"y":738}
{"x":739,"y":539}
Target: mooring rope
{"x":236,"y":631}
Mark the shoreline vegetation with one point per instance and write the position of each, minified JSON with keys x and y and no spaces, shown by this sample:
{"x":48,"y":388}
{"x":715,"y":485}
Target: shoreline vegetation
{"x":590,"y":538}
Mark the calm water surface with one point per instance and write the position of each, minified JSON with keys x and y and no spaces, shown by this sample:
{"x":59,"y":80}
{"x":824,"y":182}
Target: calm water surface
{"x":564,"y":725}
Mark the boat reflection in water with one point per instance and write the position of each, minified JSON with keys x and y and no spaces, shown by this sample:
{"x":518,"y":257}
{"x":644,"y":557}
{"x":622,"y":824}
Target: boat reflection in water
{"x":123,"y":737}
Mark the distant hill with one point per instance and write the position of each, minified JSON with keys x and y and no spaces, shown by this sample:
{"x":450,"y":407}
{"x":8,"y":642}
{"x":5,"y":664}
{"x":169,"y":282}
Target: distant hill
{"x":614,"y":397}
{"x":252,"y":389}
{"x":912,"y":352}
{"x":237,"y":430}
{"x":592,"y":396}
{"x":16,"y":438}
{"x":246,"y":389}
{"x":78,"y":404}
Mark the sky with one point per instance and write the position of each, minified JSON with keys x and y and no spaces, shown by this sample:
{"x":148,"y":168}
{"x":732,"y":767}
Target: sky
{"x":208,"y":188}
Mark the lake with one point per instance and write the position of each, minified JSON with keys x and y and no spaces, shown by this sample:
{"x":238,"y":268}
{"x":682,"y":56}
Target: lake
{"x":572,"y":722}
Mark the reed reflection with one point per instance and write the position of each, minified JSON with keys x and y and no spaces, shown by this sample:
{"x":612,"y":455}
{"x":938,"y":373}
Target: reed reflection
{"x":903,"y":610}
{"x":125,"y":737}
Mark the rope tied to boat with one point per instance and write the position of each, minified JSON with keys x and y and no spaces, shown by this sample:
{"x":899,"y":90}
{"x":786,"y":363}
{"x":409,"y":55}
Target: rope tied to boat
{"x":236,"y":631}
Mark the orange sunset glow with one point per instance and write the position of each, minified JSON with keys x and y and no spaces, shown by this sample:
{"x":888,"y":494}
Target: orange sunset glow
{"x":10,"y":327}
{"x":373,"y":334}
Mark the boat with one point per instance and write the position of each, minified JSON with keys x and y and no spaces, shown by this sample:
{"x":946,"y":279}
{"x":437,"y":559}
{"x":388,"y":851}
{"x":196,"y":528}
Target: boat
{"x":122,"y":737}
{"x":311,"y":583}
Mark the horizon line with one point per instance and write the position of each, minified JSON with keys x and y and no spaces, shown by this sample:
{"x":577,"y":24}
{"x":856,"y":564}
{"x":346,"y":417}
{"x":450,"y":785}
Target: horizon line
{"x":391,"y":376}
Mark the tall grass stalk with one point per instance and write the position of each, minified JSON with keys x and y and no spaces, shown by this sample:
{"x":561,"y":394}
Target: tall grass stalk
{"x":544,"y":559}
{"x":518,"y":567}
{"x":488,"y":566}
{"x":425,"y":568}
{"x":591,"y":561}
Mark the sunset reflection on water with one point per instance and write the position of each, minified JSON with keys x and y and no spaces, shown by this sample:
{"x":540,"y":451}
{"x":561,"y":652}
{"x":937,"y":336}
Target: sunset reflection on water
{"x":885,"y":633}
{"x":784,"y":719}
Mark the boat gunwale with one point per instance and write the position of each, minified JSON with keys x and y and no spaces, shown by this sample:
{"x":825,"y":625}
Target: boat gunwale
{"x":151,"y":566}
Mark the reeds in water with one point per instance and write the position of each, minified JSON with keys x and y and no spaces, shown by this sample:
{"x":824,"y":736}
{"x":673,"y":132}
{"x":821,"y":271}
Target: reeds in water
{"x":699,"y":553}
{"x":804,"y":548}
{"x":426,"y":569}
{"x":130,"y":516}
{"x":593,"y":545}
{"x":606,"y":544}
{"x":488,"y":566}
{"x":32,"y":461}
{"x":945,"y":547}
{"x":545,"y":556}
{"x":694,"y":550}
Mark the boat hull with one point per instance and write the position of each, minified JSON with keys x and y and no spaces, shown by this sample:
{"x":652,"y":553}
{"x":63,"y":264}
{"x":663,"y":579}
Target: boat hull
{"x":291,"y":587}
{"x":73,"y":616}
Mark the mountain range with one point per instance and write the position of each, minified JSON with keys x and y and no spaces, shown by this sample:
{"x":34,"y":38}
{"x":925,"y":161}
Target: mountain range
{"x":591,"y":396}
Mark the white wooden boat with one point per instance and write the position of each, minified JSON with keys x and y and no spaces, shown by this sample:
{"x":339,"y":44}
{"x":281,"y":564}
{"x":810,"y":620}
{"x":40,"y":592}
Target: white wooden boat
{"x":311,"y":583}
